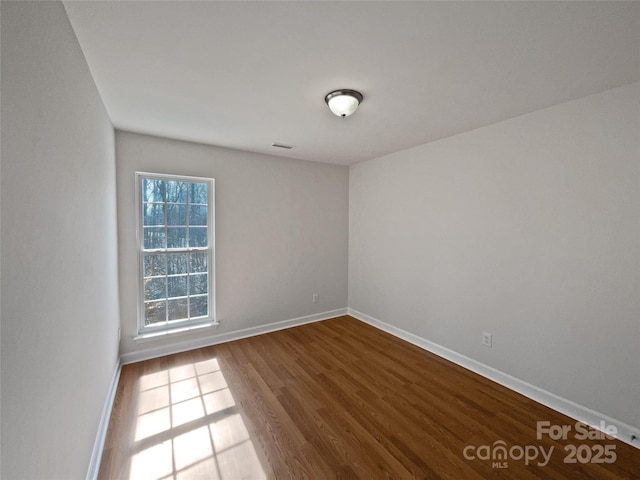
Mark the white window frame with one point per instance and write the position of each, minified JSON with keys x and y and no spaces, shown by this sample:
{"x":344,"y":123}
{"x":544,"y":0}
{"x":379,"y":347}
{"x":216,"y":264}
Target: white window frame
{"x":183,"y":325}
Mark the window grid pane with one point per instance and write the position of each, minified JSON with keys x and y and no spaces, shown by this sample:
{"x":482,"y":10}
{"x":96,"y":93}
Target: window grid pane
{"x":176,"y":286}
{"x":170,"y":291}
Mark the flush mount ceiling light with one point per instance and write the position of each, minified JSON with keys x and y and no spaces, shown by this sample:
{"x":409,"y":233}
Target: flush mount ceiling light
{"x":343,"y":102}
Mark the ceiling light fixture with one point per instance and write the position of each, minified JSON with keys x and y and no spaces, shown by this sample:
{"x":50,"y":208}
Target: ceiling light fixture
{"x":343,"y":102}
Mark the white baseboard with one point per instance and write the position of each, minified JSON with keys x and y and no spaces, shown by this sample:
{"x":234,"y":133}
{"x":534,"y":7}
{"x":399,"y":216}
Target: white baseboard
{"x":101,"y":436}
{"x":626,"y":433}
{"x":206,"y":341}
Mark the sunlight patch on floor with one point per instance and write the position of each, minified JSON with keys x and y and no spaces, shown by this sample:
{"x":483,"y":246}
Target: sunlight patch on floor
{"x":188,"y":426}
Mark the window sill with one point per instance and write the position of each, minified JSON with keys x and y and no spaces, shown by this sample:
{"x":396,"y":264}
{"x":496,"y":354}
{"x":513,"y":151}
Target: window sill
{"x":150,"y":336}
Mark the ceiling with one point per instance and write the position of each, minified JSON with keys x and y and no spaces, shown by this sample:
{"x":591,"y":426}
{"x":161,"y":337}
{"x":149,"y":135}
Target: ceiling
{"x":244,"y":75}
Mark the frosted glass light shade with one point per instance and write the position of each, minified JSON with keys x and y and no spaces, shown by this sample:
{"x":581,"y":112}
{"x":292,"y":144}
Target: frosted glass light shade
{"x":343,"y":102}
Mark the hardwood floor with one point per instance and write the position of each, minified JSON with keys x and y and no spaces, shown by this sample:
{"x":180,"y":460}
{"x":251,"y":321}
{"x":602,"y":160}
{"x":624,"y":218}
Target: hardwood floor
{"x":335,"y":399}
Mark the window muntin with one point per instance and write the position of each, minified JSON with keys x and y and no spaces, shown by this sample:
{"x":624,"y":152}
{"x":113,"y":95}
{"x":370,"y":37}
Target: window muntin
{"x":176,"y":250}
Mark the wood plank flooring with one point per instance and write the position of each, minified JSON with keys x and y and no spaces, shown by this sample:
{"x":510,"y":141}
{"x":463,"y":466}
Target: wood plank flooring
{"x":335,"y":399}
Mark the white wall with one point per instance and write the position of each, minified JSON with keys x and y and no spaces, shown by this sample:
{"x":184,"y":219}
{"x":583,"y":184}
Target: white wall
{"x":281,"y":232}
{"x":528,"y":229}
{"x":59,"y":247}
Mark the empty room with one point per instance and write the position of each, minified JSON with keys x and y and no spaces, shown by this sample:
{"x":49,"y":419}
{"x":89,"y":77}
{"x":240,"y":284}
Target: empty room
{"x":320,"y":239}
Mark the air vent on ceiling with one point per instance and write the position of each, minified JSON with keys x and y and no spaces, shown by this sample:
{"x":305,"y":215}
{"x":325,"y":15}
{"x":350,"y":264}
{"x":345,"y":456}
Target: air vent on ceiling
{"x":282,"y":145}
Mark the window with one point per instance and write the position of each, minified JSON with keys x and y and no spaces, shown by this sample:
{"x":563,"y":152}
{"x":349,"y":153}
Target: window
{"x":175,"y":238}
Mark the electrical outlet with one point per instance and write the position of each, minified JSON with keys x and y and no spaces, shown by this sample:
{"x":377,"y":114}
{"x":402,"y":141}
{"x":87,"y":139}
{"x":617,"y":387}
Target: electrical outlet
{"x":316,"y":299}
{"x":487,"y":339}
